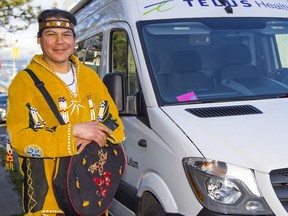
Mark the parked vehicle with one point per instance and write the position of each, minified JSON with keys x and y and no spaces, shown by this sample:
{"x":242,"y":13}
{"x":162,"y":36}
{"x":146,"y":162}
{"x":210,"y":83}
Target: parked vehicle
{"x":202,"y":89}
{"x":3,"y":106}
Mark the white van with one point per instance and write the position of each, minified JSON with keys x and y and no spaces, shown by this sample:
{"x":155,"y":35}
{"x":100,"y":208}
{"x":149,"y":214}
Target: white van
{"x":202,"y":89}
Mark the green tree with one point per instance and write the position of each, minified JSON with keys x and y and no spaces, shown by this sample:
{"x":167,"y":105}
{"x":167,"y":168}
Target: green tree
{"x":17,"y":14}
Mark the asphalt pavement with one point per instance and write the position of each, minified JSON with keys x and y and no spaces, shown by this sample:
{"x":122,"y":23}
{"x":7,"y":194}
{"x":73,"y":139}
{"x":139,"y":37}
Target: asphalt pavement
{"x":10,"y":200}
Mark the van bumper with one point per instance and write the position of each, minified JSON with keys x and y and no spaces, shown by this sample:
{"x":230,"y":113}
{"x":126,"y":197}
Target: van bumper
{"x":206,"y":212}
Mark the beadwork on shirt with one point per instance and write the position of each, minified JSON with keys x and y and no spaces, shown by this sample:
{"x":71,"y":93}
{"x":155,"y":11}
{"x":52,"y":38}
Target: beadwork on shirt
{"x":63,"y":109}
{"x":91,"y":108}
{"x":34,"y":151}
{"x":103,"y":111}
{"x":37,"y":119}
{"x":104,"y":115}
{"x":75,"y":106}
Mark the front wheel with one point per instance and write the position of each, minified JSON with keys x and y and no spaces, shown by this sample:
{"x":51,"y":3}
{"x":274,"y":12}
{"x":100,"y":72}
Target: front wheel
{"x":150,"y":206}
{"x":154,"y":210}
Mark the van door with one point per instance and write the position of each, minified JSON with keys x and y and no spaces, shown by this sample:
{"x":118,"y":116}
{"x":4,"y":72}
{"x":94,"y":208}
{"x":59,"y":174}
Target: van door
{"x":121,"y":59}
{"x":142,"y":143}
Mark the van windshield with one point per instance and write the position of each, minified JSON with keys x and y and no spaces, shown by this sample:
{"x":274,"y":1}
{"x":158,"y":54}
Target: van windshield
{"x":216,"y":59}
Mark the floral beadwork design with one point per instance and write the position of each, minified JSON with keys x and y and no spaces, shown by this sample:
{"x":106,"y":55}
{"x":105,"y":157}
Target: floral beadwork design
{"x":33,"y":151}
{"x":104,"y":184}
{"x":103,"y":181}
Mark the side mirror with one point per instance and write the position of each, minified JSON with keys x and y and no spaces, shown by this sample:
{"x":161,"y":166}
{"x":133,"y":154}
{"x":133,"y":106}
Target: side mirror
{"x":116,"y":88}
{"x":116,"y":85}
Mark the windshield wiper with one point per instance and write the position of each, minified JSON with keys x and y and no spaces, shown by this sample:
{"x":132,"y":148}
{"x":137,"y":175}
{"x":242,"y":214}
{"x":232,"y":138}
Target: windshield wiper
{"x":228,"y":8}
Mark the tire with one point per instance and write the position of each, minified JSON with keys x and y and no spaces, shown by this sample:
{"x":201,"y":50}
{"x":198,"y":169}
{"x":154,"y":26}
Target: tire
{"x":150,"y":206}
{"x":154,"y":210}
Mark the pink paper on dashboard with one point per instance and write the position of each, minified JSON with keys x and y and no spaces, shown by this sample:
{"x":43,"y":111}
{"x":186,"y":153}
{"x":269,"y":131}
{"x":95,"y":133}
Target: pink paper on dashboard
{"x":191,"y":96}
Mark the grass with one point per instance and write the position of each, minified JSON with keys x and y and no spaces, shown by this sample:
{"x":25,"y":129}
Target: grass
{"x":15,"y":175}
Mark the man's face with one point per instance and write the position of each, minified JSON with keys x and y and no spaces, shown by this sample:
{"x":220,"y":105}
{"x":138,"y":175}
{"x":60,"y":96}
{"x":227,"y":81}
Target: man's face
{"x":57,"y":45}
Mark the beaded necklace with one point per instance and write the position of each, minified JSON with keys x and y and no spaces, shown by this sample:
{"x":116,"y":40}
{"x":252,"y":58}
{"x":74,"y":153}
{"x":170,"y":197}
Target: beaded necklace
{"x":77,"y":65}
{"x":73,"y":73}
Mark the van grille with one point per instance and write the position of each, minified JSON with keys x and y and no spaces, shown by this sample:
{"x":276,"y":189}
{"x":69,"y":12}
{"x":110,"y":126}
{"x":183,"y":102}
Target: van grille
{"x":224,"y":111}
{"x":279,"y":180}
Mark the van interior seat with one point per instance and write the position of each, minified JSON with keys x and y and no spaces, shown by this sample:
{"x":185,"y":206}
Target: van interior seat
{"x":237,"y":63}
{"x":186,"y":72}
{"x":160,"y":76}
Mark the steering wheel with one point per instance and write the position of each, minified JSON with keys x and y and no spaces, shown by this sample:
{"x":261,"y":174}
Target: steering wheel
{"x":280,"y":75}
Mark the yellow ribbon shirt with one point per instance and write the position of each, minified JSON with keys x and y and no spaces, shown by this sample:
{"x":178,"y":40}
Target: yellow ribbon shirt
{"x":35,"y":133}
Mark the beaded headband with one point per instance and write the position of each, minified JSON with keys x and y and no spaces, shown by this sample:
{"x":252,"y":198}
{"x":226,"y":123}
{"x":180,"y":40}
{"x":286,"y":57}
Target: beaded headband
{"x":56,"y":24}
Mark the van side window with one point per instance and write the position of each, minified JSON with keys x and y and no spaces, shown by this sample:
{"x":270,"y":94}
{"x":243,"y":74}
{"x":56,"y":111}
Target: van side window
{"x":80,"y":51}
{"x":94,"y":49}
{"x":122,"y":59}
{"x":282,"y":43}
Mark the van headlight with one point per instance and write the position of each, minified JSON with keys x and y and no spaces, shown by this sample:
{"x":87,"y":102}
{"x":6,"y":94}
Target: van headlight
{"x":225,"y":188}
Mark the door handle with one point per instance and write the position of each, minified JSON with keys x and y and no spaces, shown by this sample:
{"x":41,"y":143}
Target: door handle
{"x":142,"y":143}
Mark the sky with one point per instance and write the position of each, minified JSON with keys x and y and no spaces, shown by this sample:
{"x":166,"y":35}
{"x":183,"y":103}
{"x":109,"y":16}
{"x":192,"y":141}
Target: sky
{"x":26,"y":41}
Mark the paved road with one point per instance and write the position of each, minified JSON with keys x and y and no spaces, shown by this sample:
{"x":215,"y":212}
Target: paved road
{"x":10,"y":200}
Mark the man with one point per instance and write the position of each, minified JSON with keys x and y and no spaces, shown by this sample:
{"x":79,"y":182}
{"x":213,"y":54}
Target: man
{"x":33,"y":130}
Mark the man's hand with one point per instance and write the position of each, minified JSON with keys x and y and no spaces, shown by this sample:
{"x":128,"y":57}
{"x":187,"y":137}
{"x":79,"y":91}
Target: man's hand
{"x":81,"y":144}
{"x":90,"y":131}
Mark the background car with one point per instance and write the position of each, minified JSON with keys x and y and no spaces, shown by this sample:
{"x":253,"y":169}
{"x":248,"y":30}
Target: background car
{"x":3,"y":106}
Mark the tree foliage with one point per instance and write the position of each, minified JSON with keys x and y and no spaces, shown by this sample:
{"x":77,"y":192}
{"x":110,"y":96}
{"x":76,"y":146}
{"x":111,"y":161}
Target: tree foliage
{"x":17,"y":14}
